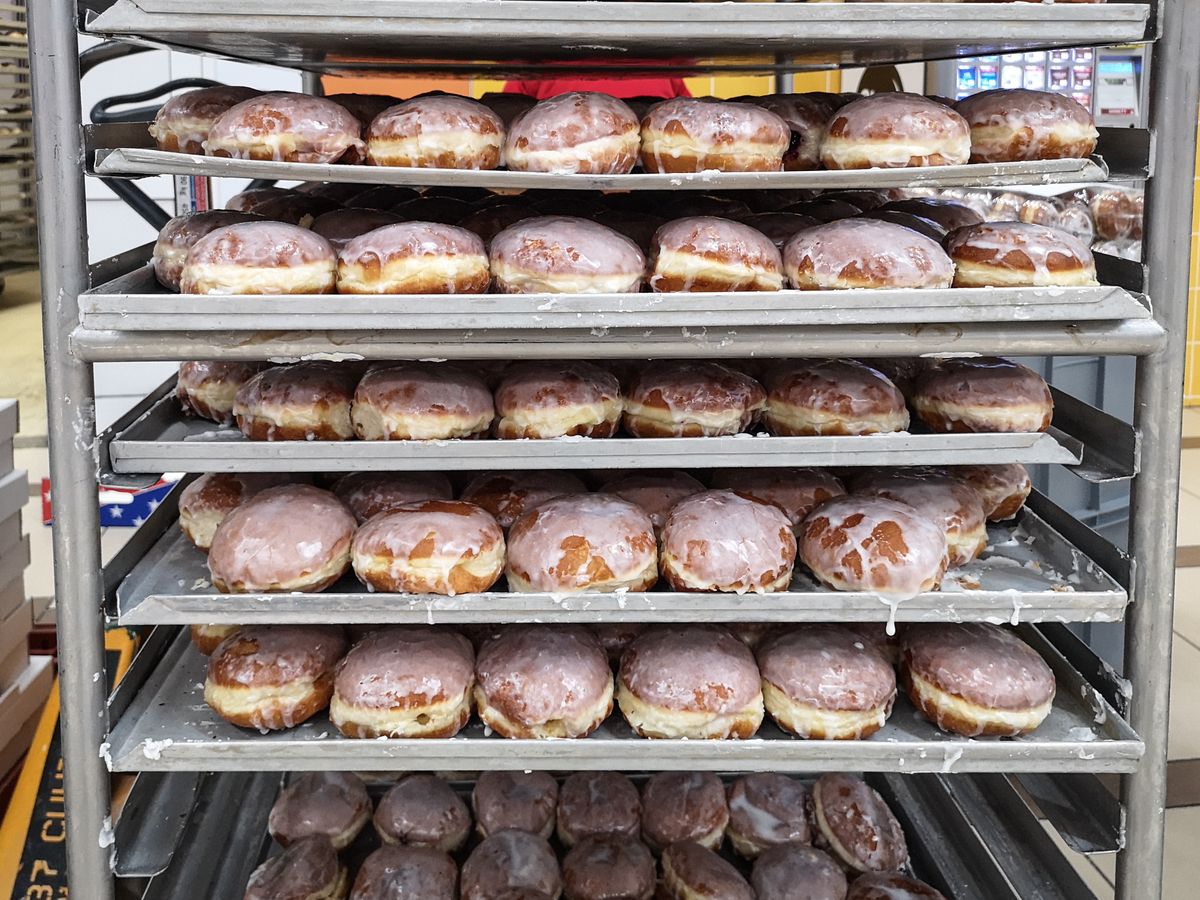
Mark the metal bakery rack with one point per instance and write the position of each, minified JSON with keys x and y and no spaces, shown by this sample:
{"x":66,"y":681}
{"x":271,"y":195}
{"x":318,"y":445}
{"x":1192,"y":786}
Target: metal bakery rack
{"x":973,"y":834}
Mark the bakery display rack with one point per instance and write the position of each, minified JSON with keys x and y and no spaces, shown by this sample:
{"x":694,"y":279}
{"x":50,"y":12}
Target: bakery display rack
{"x":156,"y":722}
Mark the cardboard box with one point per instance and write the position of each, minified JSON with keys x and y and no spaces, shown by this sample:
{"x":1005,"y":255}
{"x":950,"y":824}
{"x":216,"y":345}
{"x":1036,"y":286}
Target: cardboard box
{"x":12,"y":665}
{"x":24,"y":699}
{"x":16,"y":745}
{"x":14,"y":562}
{"x":14,"y":636}
{"x":12,"y":595}
{"x":14,"y":493}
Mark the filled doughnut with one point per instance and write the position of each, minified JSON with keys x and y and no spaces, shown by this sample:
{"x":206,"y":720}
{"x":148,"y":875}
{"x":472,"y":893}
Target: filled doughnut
{"x":795,"y":872}
{"x":207,"y":387}
{"x":865,"y":253}
{"x":949,"y":214}
{"x":421,"y":402}
{"x":340,"y":226}
{"x":286,"y":127}
{"x":293,"y":537}
{"x":919,"y":224}
{"x":693,"y":872}
{"x":440,"y":131}
{"x":690,"y":681}
{"x":976,"y":679}
{"x":825,"y":209}
{"x":414,"y":258}
{"x":805,"y":118}
{"x":508,"y":495}
{"x":565,"y":255}
{"x":1002,"y":488}
{"x":295,"y":208}
{"x":779,"y":227}
{"x":720,"y":206}
{"x":767,"y":809}
{"x":307,"y":870}
{"x":367,"y":494}
{"x":691,"y":135}
{"x":875,"y":545}
{"x":404,"y":683}
{"x":1039,"y":211}
{"x":655,"y":493}
{"x":1016,"y":254}
{"x":271,"y":677}
{"x":615,"y":638}
{"x":582,"y":542}
{"x":423,"y":811}
{"x":511,"y":860}
{"x":179,"y":235}
{"x":182,"y":124}
{"x":951,"y":503}
{"x":1014,"y":125}
{"x":684,"y":806}
{"x":705,"y":253}
{"x":401,"y":872}
{"x":833,"y":396}
{"x":204,"y":504}
{"x":521,"y":801}
{"x":1115,"y":214}
{"x":387,"y":198}
{"x":433,"y":208}
{"x":639,"y":227}
{"x":856,"y":824}
{"x":364,"y":107}
{"x":986,"y":394}
{"x":721,"y":541}
{"x":865,"y":199}
{"x":249,"y":200}
{"x":489,"y":221}
{"x":894,"y":885}
{"x":507,"y":106}
{"x":259,"y":258}
{"x":542,"y":681}
{"x":678,"y":398}
{"x":609,"y":867}
{"x":574,"y":133}
{"x":796,"y":491}
{"x":598,"y":803}
{"x":826,"y":683}
{"x":333,"y":804}
{"x":307,"y":401}
{"x":549,"y":400}
{"x":207,"y":638}
{"x":895,"y":130}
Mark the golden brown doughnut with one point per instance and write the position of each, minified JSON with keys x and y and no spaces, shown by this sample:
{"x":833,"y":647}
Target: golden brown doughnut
{"x":767,"y":809}
{"x":333,"y":804}
{"x":897,"y":885}
{"x":1002,"y":488}
{"x":653,"y":492}
{"x":523,"y":801}
{"x":609,"y":867}
{"x":1016,"y":254}
{"x":693,"y":872}
{"x":805,"y":118}
{"x":794,"y":872}
{"x":308,"y":401}
{"x":367,"y":494}
{"x":204,"y":504}
{"x":549,"y":400}
{"x":693,"y":135}
{"x":1015,"y":125}
{"x":857,"y":825}
{"x":250,"y":199}
{"x":833,"y":396}
{"x":864,"y":253}
{"x":684,"y":806}
{"x":895,"y":130}
{"x":705,"y":253}
{"x":796,"y":491}
{"x":579,"y":132}
{"x":421,"y":402}
{"x":307,"y":870}
{"x":1115,"y":214}
{"x":182,"y":124}
{"x":440,"y":131}
{"x":259,"y":258}
{"x":340,"y":226}
{"x":392,"y":872}
{"x":949,"y":502}
{"x":506,"y":495}
{"x":286,"y":127}
{"x":678,"y":398}
{"x":511,"y":860}
{"x":207,"y":387}
{"x":598,"y":803}
{"x":423,"y":811}
{"x":983,"y":395}
{"x":565,"y":254}
{"x":414,"y":258}
{"x":179,"y":235}
{"x":207,"y":638}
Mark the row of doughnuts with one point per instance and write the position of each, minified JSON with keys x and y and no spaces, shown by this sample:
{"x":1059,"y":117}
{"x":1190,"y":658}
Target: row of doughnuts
{"x":659,"y":399}
{"x":838,"y":839}
{"x":687,"y":682}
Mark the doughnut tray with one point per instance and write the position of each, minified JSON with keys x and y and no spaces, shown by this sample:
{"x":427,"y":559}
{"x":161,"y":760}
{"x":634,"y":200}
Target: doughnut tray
{"x":167,"y":725}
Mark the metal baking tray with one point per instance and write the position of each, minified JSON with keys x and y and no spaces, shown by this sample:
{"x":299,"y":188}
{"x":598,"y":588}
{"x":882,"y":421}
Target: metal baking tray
{"x":169,"y":727}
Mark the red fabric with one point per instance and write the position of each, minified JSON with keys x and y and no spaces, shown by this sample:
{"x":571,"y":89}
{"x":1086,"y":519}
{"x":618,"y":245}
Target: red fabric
{"x":545,"y":88}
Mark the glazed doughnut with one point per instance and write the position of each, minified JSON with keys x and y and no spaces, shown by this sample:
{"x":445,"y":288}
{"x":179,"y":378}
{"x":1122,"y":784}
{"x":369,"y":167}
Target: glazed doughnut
{"x":441,"y":131}
{"x":684,"y":806}
{"x":307,"y":870}
{"x":489,"y":221}
{"x":182,"y":124}
{"x":609,"y":867}
{"x":864,"y":199}
{"x":1015,"y":254}
{"x":367,"y":494}
{"x":833,"y":396}
{"x":722,"y":541}
{"x":392,"y":872}
{"x":204,"y":504}
{"x":897,"y":885}
{"x":364,"y":107}
{"x":574,"y":133}
{"x":511,"y":860}
{"x":339,"y":192}
{"x":549,"y":400}
{"x":653,"y":492}
{"x":805,"y":118}
{"x":826,"y":683}
{"x":207,"y":388}
{"x":983,"y":395}
{"x":250,"y":199}
{"x":874,"y":545}
{"x":796,"y":491}
{"x":507,"y":495}
{"x":895,"y":130}
{"x":779,"y":227}
{"x":334,"y":804}
{"x":540,"y":681}
{"x":286,"y":127}
{"x":1003,"y":489}
{"x":690,"y":681}
{"x":720,"y":206}
{"x":953,"y":504}
{"x":523,"y":801}
{"x":902,"y":371}
{"x":639,"y":227}
{"x":180,"y":234}
{"x":865,"y":253}
{"x":976,"y":679}
{"x":792,"y":872}
{"x":678,"y":398}
{"x":598,"y":803}
{"x":1004,"y":207}
{"x":273,"y":676}
{"x":825,"y":209}
{"x":704,"y":253}
{"x":565,"y":255}
{"x":308,"y":401}
{"x":949,"y":214}
{"x":856,"y":824}
{"x":1039,"y":211}
{"x":423,"y":811}
{"x":1076,"y":219}
{"x":691,"y":135}
{"x":259,"y":258}
{"x":414,"y":258}
{"x":1115,"y":214}
{"x":1015,"y":125}
{"x":693,"y":872}
{"x":767,"y":809}
{"x":421,"y":402}
{"x":582,"y":542}
{"x":207,"y":638}
{"x":615,"y":638}
{"x":294,"y":208}
{"x":507,"y":106}
{"x":919,"y":224}
{"x":340,"y":226}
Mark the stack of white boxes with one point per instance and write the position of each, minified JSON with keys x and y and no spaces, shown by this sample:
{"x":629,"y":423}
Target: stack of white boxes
{"x":24,"y":681}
